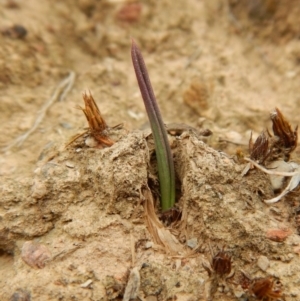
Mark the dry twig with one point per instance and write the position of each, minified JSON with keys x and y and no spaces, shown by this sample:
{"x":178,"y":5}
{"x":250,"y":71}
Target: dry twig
{"x":60,"y":92}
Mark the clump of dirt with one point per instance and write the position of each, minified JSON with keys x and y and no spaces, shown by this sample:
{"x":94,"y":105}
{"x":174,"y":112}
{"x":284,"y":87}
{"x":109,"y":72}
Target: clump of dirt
{"x":86,"y":206}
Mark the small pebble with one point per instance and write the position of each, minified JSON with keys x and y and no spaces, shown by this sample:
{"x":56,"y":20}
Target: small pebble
{"x":286,"y":258}
{"x":130,"y":12}
{"x":35,"y":254}
{"x":20,"y":295}
{"x":87,"y":283}
{"x":278,"y":235}
{"x":238,"y":291}
{"x":70,"y":164}
{"x":192,"y":243}
{"x":15,"y":32}
{"x":294,"y":293}
{"x":133,"y":285}
{"x":39,"y":190}
{"x":263,"y":263}
{"x":91,"y":142}
{"x":66,"y":125}
{"x":149,"y":244}
{"x":78,"y":150}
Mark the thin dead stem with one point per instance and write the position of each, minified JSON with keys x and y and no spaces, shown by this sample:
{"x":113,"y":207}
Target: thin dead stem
{"x":60,"y":93}
{"x":293,"y":183}
{"x":272,"y":172}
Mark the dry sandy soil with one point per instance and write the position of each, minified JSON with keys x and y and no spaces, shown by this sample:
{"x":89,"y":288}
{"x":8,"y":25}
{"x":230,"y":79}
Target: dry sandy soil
{"x":74,"y":222}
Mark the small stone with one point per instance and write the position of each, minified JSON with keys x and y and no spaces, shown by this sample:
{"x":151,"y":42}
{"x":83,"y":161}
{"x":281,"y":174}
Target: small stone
{"x":78,"y":150}
{"x":91,"y":142}
{"x":20,"y":295}
{"x":66,"y":125}
{"x":35,"y":254}
{"x":70,"y":164}
{"x":238,"y":291}
{"x":177,"y":264}
{"x":39,"y":190}
{"x":287,"y":258}
{"x":294,"y":293}
{"x":149,"y":244}
{"x":192,"y":243}
{"x":263,"y":263}
{"x":278,"y":235}
{"x":133,"y":285}
{"x":87,"y":283}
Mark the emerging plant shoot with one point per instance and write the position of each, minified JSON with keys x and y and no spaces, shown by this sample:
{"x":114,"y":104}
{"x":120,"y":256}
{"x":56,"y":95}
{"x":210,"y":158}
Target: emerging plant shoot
{"x":164,"y":157}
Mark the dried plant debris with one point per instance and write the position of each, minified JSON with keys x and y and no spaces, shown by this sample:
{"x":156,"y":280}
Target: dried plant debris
{"x":220,"y":264}
{"x":261,"y":288}
{"x":293,"y":183}
{"x":97,"y":133}
{"x":277,"y":175}
{"x":274,"y":152}
{"x":170,"y":216}
{"x":265,"y":289}
{"x":268,"y":148}
{"x":219,"y":269}
{"x":260,"y":150}
{"x":282,"y":129}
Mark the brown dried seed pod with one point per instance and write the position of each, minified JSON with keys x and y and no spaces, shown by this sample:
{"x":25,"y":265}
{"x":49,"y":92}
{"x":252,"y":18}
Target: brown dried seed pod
{"x":98,"y":129}
{"x":221,"y":263}
{"x":260,"y":150}
{"x":97,"y":124}
{"x":35,"y":254}
{"x":282,"y":129}
{"x":264,"y":289}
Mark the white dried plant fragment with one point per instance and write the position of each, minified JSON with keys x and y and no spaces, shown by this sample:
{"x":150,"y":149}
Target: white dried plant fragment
{"x":277,"y":181}
{"x":294,"y":182}
{"x":294,"y":174}
{"x":133,"y":285}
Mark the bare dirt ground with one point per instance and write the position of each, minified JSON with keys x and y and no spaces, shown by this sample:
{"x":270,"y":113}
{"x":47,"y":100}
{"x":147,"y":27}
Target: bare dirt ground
{"x":213,"y":64}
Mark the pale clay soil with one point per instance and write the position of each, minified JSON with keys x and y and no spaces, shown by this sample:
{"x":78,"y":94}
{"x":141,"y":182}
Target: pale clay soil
{"x":90,"y":212}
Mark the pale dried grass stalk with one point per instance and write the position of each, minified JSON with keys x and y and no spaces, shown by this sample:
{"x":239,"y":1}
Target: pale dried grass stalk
{"x":160,"y":235}
{"x":293,"y":183}
{"x":60,"y":92}
{"x":272,"y":172}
